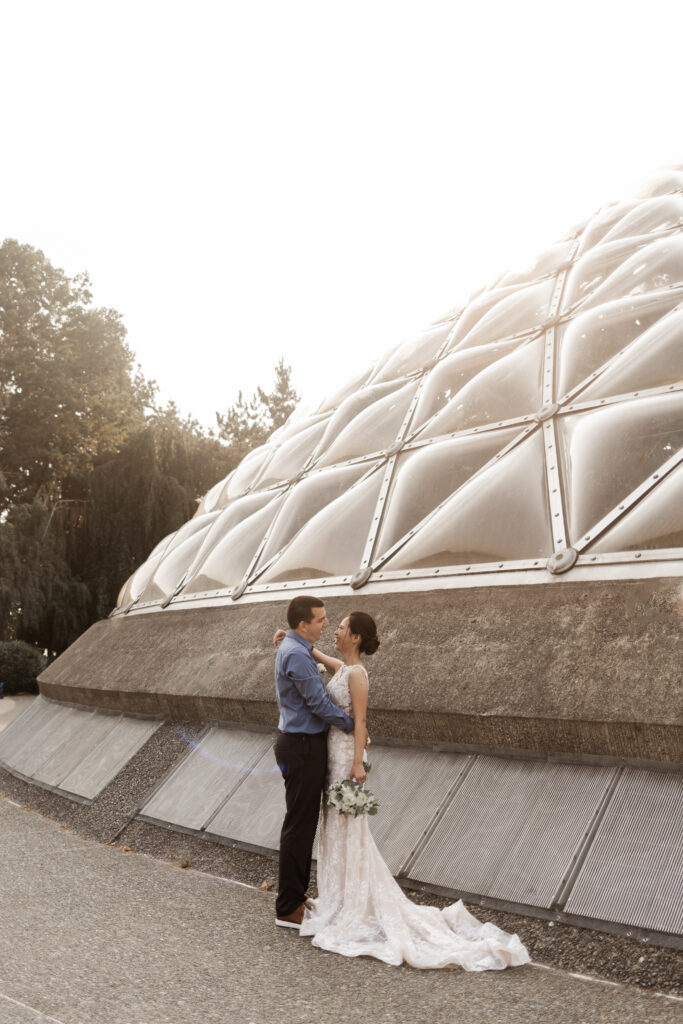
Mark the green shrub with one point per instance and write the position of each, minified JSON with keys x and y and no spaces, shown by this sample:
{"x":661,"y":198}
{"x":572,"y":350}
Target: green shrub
{"x":20,"y":664}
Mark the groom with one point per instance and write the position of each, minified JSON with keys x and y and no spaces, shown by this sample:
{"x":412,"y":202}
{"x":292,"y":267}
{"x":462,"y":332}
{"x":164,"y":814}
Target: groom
{"x":306,"y":713}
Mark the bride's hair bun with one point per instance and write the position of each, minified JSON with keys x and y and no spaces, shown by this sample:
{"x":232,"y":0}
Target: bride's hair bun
{"x":364,"y":625}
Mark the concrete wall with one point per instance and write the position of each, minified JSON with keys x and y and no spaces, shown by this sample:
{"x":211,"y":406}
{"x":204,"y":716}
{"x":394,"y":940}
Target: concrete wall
{"x":575,"y":668}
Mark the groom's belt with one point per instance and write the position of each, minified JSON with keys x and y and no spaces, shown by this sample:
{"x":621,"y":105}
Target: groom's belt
{"x":307,"y":735}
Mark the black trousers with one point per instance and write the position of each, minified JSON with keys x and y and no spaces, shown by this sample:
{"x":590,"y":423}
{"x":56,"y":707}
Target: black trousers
{"x":302,"y":759}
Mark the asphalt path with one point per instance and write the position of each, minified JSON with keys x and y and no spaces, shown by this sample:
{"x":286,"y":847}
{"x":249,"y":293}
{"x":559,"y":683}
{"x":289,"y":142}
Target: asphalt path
{"x":92,"y":934}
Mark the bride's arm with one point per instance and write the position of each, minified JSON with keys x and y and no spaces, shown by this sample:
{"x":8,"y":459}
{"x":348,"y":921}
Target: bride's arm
{"x":358,"y":687}
{"x":331,"y":664}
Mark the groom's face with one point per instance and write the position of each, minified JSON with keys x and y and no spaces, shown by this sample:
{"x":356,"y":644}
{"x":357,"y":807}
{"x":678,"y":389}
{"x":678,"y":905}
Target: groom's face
{"x":312,"y":630}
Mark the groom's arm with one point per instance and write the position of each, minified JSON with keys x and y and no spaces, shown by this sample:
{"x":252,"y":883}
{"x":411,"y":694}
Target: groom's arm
{"x":306,"y":677}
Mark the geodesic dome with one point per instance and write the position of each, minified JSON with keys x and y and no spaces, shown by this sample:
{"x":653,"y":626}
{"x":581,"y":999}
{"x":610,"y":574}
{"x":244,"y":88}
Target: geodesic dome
{"x":535,"y":433}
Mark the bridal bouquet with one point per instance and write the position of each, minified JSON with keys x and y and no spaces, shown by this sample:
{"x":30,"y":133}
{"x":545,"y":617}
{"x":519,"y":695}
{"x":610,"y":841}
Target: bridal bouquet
{"x":351,"y":798}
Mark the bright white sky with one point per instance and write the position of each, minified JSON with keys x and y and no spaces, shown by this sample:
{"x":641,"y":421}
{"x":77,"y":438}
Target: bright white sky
{"x":245,"y":180}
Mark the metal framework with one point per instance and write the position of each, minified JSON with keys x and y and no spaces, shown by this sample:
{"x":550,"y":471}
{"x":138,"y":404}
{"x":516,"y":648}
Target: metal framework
{"x":546,"y":420}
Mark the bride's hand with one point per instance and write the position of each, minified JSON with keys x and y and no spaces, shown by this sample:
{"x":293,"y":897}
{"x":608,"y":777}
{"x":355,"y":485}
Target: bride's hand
{"x":358,"y":772}
{"x":280,"y":635}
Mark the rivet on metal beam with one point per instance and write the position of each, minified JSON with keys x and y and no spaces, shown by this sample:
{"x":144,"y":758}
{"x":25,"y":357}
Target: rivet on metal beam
{"x":360,"y":578}
{"x":562,"y":561}
{"x":546,"y":412}
{"x":237,"y":591}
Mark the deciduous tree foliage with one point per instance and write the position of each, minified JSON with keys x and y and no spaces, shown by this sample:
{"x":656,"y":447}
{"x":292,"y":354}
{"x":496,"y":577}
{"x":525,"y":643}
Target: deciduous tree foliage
{"x":93,"y":473}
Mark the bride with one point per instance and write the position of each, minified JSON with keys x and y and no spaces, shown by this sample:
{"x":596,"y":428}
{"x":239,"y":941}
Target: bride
{"x":361,"y":910}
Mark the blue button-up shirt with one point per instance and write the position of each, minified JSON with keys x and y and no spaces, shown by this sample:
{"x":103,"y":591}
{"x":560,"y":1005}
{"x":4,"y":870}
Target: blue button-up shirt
{"x":301,"y":695}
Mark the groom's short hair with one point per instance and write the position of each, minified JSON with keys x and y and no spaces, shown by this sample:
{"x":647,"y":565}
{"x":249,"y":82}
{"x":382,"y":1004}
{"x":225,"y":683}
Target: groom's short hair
{"x":301,"y":610}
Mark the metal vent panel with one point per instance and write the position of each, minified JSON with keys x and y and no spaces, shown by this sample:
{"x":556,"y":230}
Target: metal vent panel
{"x":411,"y":785}
{"x":46,"y":737}
{"x":512,"y":829}
{"x":16,"y":735}
{"x":193,"y":792}
{"x":109,"y":754}
{"x":254,"y":812}
{"x":633,"y":873}
{"x":84,"y":735}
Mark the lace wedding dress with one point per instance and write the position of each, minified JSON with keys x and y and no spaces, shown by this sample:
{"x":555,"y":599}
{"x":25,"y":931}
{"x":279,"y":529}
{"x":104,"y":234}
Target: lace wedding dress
{"x":362,"y":911}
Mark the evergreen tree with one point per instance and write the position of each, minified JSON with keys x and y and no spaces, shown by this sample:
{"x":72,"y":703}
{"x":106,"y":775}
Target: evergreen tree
{"x":247,"y":424}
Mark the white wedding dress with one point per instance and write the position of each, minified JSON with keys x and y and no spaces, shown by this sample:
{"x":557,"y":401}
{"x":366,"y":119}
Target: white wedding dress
{"x":362,"y":911}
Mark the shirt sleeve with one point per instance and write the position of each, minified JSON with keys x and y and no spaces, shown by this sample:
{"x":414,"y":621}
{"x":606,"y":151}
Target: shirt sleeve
{"x":308,"y":682}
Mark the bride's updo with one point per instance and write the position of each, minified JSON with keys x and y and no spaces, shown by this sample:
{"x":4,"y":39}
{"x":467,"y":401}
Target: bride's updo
{"x":362,"y":624}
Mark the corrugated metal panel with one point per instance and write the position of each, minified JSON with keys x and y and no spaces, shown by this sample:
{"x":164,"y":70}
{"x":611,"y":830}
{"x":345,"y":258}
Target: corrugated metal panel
{"x":191,"y":795}
{"x":16,"y":735}
{"x":48,"y":736}
{"x":109,"y":755}
{"x":85,"y":732}
{"x":74,"y":749}
{"x":254,"y":812}
{"x":633,"y":873}
{"x":410,"y":785}
{"x":512,"y":829}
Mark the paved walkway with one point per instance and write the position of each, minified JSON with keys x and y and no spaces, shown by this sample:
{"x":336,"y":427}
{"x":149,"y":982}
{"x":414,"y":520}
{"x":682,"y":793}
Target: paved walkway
{"x":94,"y":935}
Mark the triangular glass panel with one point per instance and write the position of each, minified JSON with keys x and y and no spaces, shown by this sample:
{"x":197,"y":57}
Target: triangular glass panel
{"x":236,"y":512}
{"x":656,"y":522}
{"x":294,"y":425}
{"x":291,"y":457}
{"x":594,"y":337}
{"x":549,"y":262}
{"x":656,"y":214}
{"x":424,"y":477}
{"x":413,"y":355}
{"x":603,"y":222}
{"x":332,"y":542}
{"x":352,"y":407}
{"x":306,"y":499}
{"x":653,"y":361}
{"x":584,"y":281}
{"x":135,"y":584}
{"x":231,"y":556}
{"x":176,"y":559}
{"x":657,"y":265}
{"x":524,"y":311}
{"x":248,"y":469}
{"x":350,"y":387}
{"x":608,"y":452}
{"x":662,"y":183}
{"x":373,"y":430}
{"x":500,"y":515}
{"x":510,"y":388}
{"x":477,"y":306}
{"x":212,"y":499}
{"x":451,"y":374}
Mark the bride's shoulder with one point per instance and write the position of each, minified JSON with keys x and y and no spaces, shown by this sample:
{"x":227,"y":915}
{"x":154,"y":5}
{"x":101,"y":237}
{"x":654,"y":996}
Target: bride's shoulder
{"x":358,"y":673}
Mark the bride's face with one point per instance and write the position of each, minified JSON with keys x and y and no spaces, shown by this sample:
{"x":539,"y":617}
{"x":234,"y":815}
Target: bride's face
{"x":344,"y":639}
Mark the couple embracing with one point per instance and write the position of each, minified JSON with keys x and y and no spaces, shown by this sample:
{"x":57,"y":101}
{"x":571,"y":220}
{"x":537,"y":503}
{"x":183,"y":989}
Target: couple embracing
{"x":360,"y":910}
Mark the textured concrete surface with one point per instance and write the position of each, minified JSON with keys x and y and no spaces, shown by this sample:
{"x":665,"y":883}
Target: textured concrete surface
{"x":93,"y":935}
{"x":563,"y":667}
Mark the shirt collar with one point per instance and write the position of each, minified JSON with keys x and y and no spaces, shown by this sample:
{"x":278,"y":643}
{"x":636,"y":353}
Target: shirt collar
{"x":302,"y":640}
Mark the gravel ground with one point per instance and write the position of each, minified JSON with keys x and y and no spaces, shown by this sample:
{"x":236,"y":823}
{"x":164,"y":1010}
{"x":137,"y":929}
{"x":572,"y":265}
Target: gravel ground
{"x":110,"y":819}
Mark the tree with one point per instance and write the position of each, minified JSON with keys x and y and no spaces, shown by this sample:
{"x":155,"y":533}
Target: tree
{"x":67,"y":387}
{"x":247,"y":424}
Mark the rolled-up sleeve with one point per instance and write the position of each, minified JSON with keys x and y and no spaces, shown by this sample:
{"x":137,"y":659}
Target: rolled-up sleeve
{"x":308,"y":682}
